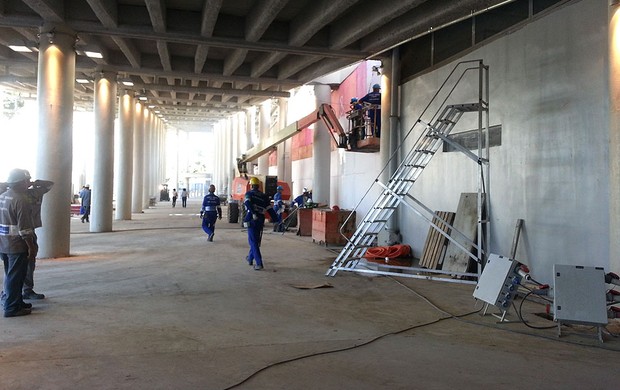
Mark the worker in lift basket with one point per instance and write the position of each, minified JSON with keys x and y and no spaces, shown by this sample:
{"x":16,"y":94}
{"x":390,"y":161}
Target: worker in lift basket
{"x":374,"y":112}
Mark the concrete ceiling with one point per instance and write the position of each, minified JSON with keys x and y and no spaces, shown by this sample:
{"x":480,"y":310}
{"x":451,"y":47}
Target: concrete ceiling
{"x":205,"y":59}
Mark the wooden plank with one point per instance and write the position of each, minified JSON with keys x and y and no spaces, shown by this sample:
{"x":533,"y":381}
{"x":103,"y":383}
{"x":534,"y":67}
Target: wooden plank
{"x":465,"y":221}
{"x":435,"y":241}
{"x":443,"y":243}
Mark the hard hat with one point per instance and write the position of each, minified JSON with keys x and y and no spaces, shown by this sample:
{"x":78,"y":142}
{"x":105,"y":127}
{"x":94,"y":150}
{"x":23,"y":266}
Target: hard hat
{"x":353,"y":100}
{"x":305,"y":189}
{"x":87,"y":186}
{"x":279,"y":188}
{"x":254,"y":181}
{"x":376,"y":86}
{"x":17,"y":175}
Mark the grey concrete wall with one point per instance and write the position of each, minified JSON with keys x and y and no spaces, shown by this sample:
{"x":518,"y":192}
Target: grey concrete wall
{"x":549,"y":89}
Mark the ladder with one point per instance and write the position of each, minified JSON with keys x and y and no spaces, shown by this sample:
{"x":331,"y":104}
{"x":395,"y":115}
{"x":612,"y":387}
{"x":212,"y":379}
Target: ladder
{"x":405,"y":175}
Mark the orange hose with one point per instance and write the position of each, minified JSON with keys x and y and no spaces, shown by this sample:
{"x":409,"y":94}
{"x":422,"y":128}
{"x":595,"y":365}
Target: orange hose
{"x":389,"y":252}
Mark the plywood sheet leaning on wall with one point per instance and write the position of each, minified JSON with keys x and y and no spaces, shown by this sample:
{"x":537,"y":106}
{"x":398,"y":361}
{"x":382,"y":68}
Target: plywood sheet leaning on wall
{"x":465,"y":221}
{"x":435,"y":245}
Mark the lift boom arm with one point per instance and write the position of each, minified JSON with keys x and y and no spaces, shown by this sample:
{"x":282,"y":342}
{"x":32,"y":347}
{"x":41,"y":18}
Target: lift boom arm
{"x":324,"y":112}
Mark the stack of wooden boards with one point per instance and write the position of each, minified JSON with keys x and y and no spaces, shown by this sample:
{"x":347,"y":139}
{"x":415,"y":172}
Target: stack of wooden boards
{"x":441,"y":253}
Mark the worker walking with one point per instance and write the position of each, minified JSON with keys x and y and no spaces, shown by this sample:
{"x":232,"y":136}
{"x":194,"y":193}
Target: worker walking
{"x":256,"y":203}
{"x":210,"y":212}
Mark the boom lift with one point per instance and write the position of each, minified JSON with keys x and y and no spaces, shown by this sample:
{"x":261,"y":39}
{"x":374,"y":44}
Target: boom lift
{"x":325,"y":112}
{"x":349,"y":140}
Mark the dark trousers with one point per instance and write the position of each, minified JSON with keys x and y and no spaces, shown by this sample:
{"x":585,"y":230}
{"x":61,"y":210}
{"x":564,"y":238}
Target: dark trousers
{"x":86,"y":214}
{"x":15,"y":268}
{"x":255,"y":235}
{"x":208,"y":222}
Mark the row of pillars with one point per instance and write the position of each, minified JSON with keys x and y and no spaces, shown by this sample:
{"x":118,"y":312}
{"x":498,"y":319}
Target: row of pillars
{"x":141,"y":155}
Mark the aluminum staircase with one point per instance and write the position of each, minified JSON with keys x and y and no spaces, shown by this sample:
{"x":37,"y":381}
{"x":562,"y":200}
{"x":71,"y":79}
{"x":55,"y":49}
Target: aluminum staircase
{"x":396,"y":190}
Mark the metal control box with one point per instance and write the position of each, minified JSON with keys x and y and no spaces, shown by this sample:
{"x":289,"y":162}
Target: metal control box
{"x":499,"y":281}
{"x":579,"y":294}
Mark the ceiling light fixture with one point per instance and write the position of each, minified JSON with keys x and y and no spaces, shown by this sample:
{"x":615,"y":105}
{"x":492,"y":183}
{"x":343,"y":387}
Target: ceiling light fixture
{"x":20,"y":48}
{"x":93,"y":54}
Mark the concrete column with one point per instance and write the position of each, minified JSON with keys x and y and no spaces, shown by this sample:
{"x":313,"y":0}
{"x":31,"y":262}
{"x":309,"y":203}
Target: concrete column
{"x":263,"y":131}
{"x":56,"y":80}
{"x":285,"y":164}
{"x":175,"y":177}
{"x":321,"y":151}
{"x":390,"y":134}
{"x":228,"y":163}
{"x":103,"y":178}
{"x":146,"y":177}
{"x":123,"y":182}
{"x":138,"y":160}
{"x":249,"y":125}
{"x":614,"y":138}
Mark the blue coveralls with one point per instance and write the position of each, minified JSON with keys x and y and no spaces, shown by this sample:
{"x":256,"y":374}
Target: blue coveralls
{"x":255,"y":204}
{"x":278,"y":205}
{"x":374,"y":114}
{"x":211,"y":211}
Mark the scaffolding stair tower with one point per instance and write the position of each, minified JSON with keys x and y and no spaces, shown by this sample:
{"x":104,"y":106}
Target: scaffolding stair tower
{"x":396,"y":191}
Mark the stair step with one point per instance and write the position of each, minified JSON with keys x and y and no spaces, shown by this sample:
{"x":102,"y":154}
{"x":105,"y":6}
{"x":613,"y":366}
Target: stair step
{"x":466,"y":107}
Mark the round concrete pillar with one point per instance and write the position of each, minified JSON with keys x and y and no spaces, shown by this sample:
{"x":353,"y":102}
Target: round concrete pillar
{"x":124,"y":175}
{"x":138,"y":159}
{"x":55,"y":85}
{"x":103,"y":178}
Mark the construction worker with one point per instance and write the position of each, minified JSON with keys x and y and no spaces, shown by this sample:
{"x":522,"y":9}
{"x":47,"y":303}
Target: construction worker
{"x":17,"y":245}
{"x":278,"y":205}
{"x":210,"y":212}
{"x":355,"y":115}
{"x":304,"y":198}
{"x":374,"y":112}
{"x":256,"y":204}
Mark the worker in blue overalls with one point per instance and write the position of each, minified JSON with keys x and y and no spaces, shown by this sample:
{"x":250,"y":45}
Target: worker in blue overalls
{"x":278,"y":206}
{"x":256,"y":204}
{"x":374,"y":112}
{"x":210,"y":212}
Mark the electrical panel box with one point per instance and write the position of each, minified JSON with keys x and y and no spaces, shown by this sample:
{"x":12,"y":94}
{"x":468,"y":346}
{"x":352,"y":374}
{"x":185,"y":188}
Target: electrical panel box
{"x":499,"y":281}
{"x":579,"y":294}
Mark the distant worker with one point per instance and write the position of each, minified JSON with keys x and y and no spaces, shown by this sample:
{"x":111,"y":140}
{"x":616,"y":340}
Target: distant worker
{"x":210,"y":212}
{"x":278,"y":206}
{"x":85,"y":196}
{"x":175,"y":195}
{"x":303,"y":199}
{"x":184,"y":197}
{"x":374,"y":112}
{"x":256,"y":204}
{"x":17,"y":245}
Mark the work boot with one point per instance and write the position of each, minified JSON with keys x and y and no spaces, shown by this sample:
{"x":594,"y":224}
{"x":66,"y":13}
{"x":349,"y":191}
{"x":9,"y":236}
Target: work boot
{"x":21,"y":312}
{"x":211,"y":236}
{"x":250,"y":262}
{"x":33,"y":295}
{"x":258,"y":267}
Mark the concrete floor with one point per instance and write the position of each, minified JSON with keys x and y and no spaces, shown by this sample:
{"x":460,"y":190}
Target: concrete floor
{"x":153,"y":305}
